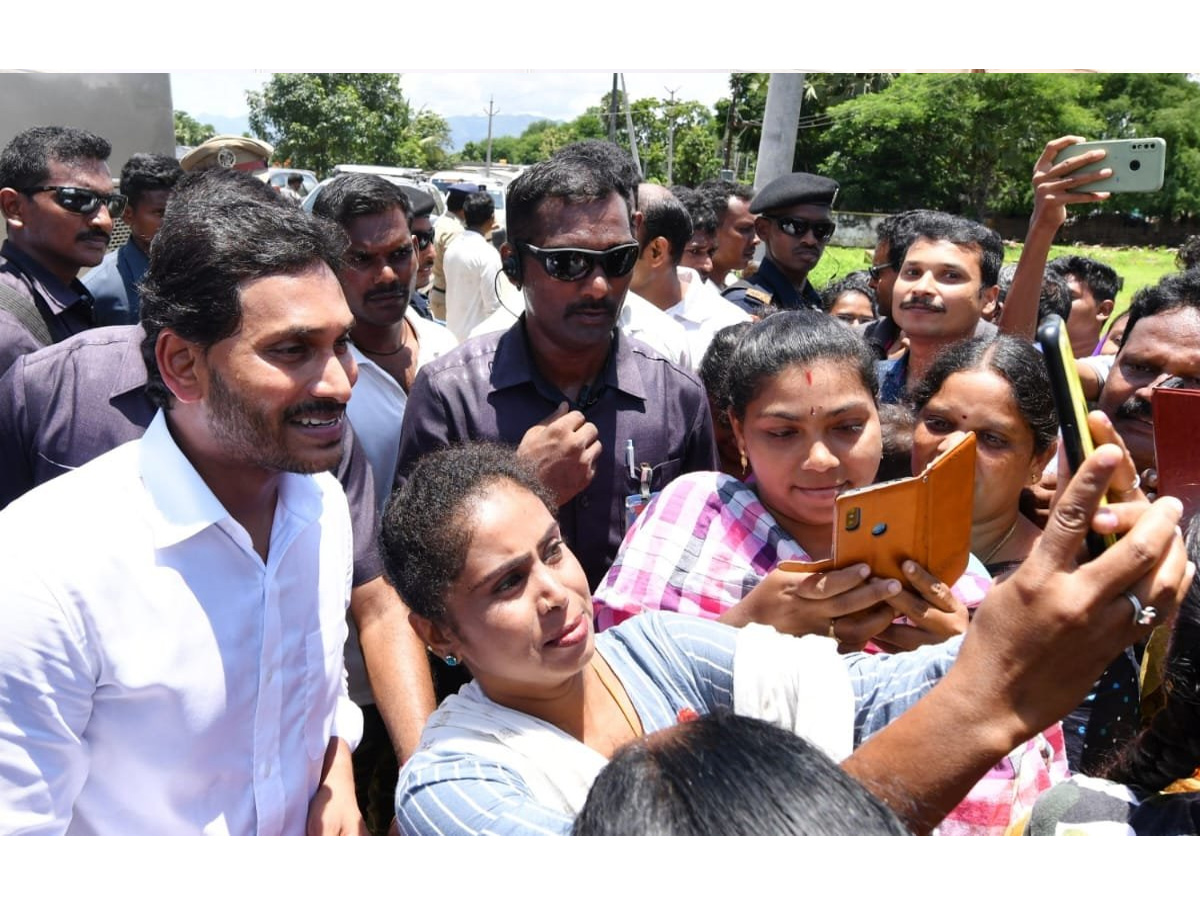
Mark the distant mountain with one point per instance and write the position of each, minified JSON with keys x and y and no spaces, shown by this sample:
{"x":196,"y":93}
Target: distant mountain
{"x":475,"y":128}
{"x":462,"y":128}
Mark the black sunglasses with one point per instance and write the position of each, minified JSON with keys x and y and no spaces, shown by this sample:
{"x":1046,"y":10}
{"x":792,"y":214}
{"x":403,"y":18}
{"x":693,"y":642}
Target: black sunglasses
{"x":424,"y":239}
{"x":82,"y":200}
{"x":876,"y":271}
{"x":574,"y":264}
{"x":793,"y":226}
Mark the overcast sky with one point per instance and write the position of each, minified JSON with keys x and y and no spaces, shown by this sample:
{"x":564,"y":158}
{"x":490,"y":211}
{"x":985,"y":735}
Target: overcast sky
{"x":555,"y":95}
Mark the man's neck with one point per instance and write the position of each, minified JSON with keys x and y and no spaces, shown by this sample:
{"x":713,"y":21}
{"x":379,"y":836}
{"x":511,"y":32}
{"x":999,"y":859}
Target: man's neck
{"x":569,"y":371}
{"x":247,"y":492}
{"x":664,"y":289}
{"x":921,"y":354}
{"x":64,"y":272}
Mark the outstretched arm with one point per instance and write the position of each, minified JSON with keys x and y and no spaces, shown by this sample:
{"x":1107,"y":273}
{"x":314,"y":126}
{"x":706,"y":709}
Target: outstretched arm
{"x":1035,"y":648}
{"x":1054,"y":186}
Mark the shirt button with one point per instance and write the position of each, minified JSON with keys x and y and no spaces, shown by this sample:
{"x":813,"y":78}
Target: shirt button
{"x":584,"y":502}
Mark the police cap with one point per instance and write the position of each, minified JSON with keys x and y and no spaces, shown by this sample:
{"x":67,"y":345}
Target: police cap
{"x":795,"y":189}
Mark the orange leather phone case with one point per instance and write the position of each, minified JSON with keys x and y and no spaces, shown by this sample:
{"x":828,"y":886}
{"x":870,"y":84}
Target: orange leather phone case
{"x":1176,"y":450}
{"x":926,"y":518}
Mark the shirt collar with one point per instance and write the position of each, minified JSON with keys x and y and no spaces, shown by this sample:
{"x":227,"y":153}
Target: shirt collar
{"x":183,"y":504}
{"x":513,"y":364}
{"x":58,"y":295}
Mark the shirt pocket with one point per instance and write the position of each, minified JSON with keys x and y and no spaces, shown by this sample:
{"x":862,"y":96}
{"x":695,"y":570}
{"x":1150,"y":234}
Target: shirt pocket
{"x":664,"y":473}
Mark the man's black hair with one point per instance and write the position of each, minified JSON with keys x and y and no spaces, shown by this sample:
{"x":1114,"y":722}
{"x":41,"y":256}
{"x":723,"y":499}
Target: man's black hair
{"x":25,"y":162}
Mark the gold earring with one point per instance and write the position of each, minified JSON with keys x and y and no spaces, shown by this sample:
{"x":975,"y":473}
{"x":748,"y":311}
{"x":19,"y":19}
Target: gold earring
{"x":745,"y":462}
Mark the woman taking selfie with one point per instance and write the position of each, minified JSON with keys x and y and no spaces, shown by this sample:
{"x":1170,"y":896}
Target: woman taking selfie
{"x":801,"y":390}
{"x":999,"y":390}
{"x":473,"y":547}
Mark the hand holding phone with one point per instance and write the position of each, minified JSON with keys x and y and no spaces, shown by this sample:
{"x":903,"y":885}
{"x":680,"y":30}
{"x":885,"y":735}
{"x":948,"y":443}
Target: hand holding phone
{"x":1138,"y":164}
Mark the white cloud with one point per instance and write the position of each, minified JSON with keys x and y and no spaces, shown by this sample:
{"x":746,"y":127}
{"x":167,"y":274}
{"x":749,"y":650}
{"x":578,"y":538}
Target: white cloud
{"x":555,"y":95}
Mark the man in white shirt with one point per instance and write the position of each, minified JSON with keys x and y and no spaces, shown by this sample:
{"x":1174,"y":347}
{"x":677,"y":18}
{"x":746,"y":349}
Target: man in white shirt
{"x":472,"y":268}
{"x":171,"y":659}
{"x":678,"y":291}
{"x":390,"y":340}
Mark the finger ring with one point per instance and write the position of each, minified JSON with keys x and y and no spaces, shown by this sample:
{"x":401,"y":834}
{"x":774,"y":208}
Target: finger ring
{"x":1141,"y":615}
{"x":831,"y":634}
{"x":1137,"y":482}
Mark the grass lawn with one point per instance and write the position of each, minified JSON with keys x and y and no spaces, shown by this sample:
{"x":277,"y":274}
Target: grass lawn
{"x":1139,"y":266}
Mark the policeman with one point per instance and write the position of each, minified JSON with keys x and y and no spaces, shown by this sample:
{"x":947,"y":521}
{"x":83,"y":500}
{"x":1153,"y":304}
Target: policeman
{"x":794,"y":226}
{"x":228,"y":151}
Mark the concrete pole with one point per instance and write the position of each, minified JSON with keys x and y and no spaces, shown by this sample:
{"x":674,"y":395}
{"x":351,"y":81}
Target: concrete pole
{"x":781,"y":118}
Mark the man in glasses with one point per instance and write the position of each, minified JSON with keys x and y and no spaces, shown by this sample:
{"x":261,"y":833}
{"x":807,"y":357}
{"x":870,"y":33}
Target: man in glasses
{"x":794,"y":225}
{"x":590,"y":407}
{"x":423,"y":231}
{"x":146,"y":180}
{"x":57,"y":197}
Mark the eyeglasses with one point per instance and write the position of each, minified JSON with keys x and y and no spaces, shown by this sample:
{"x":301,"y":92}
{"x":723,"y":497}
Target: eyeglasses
{"x":365,"y":262}
{"x":574,"y":264}
{"x":793,"y":226}
{"x":424,"y":239}
{"x":81,"y":200}
{"x":876,"y":271}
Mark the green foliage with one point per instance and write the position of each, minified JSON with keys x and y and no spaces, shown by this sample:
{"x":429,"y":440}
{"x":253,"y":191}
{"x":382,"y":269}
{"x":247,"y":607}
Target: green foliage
{"x":965,"y":143}
{"x":189,"y":132}
{"x":316,"y":121}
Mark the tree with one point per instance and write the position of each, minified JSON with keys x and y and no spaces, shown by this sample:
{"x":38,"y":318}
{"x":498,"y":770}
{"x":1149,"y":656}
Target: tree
{"x":319,"y":120}
{"x":189,"y":132}
{"x":964,"y":143}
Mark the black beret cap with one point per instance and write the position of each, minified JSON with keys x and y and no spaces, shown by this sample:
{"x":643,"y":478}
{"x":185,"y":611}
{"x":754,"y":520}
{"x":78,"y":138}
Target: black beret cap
{"x":794,"y":189}
{"x":422,"y":204}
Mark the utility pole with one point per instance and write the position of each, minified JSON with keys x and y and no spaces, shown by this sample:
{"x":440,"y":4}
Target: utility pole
{"x":612,"y":112}
{"x":633,"y":150}
{"x":781,"y":118}
{"x":491,"y":112}
{"x":671,"y":135}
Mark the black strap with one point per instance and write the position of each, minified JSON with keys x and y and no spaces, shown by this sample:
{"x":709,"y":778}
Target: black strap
{"x":31,"y":316}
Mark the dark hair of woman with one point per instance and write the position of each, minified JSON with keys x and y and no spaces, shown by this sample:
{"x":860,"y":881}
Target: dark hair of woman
{"x":793,"y":338}
{"x":426,"y":525}
{"x":725,"y":774}
{"x":1017,"y":362}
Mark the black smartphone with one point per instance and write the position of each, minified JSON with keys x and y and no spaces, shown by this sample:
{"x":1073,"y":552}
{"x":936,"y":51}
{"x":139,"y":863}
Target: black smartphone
{"x":1071,"y":405}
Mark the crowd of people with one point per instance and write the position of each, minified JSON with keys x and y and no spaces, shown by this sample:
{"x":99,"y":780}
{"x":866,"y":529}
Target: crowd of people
{"x":348,"y":521}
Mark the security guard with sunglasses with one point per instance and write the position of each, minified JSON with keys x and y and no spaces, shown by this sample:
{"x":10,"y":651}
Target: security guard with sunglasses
{"x":794,"y":225}
{"x":59,"y":206}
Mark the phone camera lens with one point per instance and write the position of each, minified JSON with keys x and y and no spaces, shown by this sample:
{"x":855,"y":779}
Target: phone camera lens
{"x":1135,"y":164}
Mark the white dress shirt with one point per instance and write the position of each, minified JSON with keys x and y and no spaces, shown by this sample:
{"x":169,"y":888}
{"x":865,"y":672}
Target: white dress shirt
{"x":702,"y":312}
{"x":472,"y":267}
{"x":377,"y":403}
{"x":156,"y":675}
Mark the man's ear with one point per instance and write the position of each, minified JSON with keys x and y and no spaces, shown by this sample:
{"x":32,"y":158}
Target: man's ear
{"x":762,"y":227}
{"x":1104,"y":309}
{"x":988,"y":298}
{"x":659,"y":251}
{"x":127,"y":214}
{"x":510,"y":264}
{"x":10,"y":204}
{"x":179,"y":362}
{"x":438,"y":638}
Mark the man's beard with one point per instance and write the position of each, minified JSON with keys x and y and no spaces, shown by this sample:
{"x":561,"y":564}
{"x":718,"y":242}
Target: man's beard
{"x":246,"y":433}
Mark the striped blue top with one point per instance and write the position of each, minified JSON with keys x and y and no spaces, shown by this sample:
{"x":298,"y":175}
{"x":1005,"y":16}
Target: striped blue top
{"x":668,"y":663}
